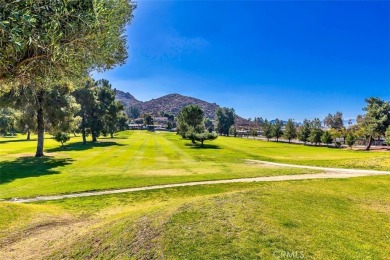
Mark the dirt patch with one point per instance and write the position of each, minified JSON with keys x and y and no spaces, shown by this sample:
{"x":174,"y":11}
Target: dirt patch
{"x":41,"y":240}
{"x":261,"y":165}
{"x":145,"y":242}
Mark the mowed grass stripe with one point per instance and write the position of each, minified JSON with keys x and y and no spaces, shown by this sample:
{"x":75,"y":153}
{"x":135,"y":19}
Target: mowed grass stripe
{"x":177,"y":144}
{"x":141,"y":158}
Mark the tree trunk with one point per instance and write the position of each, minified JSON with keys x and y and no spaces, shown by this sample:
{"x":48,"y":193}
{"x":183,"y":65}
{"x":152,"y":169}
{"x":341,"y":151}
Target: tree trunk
{"x":83,"y":130}
{"x":94,"y":138}
{"x":41,"y":125}
{"x":112,"y":134}
{"x":369,"y":143}
{"x":28,"y":135}
{"x":201,"y":143}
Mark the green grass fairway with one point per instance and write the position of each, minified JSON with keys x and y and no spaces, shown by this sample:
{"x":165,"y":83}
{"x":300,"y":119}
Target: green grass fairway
{"x":140,"y":158}
{"x":319,"y":219}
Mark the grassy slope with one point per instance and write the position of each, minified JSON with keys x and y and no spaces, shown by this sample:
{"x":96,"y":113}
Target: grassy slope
{"x":323,"y":219}
{"x":140,"y":158}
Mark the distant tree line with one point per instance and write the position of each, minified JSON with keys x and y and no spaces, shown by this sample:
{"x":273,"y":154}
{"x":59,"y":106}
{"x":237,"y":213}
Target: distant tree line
{"x":374,"y":124}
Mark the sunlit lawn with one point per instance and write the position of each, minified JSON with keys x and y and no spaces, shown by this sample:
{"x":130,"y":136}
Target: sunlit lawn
{"x":140,"y":158}
{"x":320,"y":219}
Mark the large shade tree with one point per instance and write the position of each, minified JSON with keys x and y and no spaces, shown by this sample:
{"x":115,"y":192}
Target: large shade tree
{"x":191,"y":125}
{"x":376,"y":120}
{"x":46,"y":42}
{"x":50,"y":39}
{"x":190,"y":117}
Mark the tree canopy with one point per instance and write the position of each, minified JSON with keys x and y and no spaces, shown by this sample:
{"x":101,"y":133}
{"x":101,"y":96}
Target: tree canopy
{"x":191,"y":125}
{"x":376,"y":120}
{"x":50,"y":43}
{"x":290,"y":131}
{"x":304,"y":131}
{"x":225,"y":119}
{"x":334,"y":121}
{"x":50,"y":40}
{"x":277,"y":129}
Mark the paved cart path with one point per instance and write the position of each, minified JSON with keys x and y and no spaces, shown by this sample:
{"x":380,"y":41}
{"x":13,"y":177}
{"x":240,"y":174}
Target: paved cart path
{"x":329,"y":173}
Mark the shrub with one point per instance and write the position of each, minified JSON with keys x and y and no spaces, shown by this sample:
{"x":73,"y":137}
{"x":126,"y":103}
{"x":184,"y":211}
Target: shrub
{"x":61,"y":137}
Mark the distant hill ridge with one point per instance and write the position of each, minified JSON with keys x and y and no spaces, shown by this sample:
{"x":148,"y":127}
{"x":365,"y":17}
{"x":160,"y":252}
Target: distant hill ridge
{"x":171,"y":103}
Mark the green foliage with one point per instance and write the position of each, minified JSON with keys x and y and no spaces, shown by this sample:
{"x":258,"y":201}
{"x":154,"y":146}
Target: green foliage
{"x":277,"y":129}
{"x":122,"y":122}
{"x":315,"y":136}
{"x":87,"y":97}
{"x":290,"y":131}
{"x":304,"y":131}
{"x":190,"y":117}
{"x":169,"y":116}
{"x":8,"y":119}
{"x":326,"y":138}
{"x":225,"y":119}
{"x":350,"y":139}
{"x":387,"y":136}
{"x":315,"y":124}
{"x":315,"y":131}
{"x":191,"y":125}
{"x":61,"y":137}
{"x":169,"y":125}
{"x":334,"y":121}
{"x":26,"y":120}
{"x":139,"y":121}
{"x":376,"y":120}
{"x":133,"y":112}
{"x":48,"y":41}
{"x":148,"y":119}
{"x":112,"y":116}
{"x":99,"y":110}
{"x":60,"y":107}
{"x":259,"y":121}
{"x":201,"y":137}
{"x":267,"y":129}
{"x":253,"y":132}
{"x":208,"y":124}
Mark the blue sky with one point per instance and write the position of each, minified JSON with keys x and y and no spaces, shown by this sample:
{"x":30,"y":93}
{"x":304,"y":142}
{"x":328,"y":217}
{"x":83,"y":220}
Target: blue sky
{"x":284,"y":59}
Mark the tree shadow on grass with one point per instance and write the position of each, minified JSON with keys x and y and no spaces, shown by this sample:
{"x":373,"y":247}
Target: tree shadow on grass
{"x":205,"y":146}
{"x":17,"y":141}
{"x":79,"y":146}
{"x":26,"y":167}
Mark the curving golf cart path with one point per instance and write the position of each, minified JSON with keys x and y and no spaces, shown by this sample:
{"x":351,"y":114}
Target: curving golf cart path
{"x":328,"y":173}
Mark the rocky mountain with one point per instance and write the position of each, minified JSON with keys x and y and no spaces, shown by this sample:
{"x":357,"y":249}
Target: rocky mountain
{"x":171,"y":103}
{"x":127,"y":99}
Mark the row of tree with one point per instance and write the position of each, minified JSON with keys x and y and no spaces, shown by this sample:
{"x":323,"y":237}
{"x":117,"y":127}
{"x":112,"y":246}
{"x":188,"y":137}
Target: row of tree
{"x":60,"y":110}
{"x":374,"y":124}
